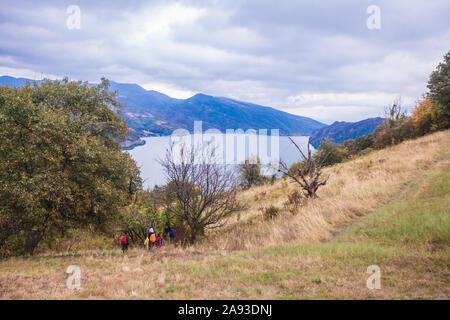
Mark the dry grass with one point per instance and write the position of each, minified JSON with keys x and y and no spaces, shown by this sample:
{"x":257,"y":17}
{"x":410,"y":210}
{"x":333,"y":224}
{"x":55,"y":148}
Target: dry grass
{"x":354,"y":189}
{"x":407,"y":234}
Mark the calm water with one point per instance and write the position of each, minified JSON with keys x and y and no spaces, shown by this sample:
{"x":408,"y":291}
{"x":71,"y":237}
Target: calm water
{"x":147,"y":156}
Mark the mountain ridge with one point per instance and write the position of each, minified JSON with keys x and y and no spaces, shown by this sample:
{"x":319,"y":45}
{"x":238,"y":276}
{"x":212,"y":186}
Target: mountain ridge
{"x":339,"y":131}
{"x":152,"y":113}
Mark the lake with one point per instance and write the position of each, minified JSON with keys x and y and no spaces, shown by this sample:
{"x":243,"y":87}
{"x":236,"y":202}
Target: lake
{"x":146,"y":156}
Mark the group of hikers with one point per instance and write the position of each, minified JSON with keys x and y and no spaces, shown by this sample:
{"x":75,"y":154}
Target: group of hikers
{"x":152,"y":240}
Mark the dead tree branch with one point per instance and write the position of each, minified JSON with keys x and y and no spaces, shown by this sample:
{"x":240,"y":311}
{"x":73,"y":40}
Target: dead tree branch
{"x":309,"y":174}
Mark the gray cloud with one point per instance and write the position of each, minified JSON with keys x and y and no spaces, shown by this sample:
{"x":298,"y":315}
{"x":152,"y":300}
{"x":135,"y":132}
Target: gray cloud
{"x":314,"y":58}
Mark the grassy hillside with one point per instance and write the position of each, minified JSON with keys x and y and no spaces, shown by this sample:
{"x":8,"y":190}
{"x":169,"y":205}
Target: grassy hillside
{"x":389,"y":208}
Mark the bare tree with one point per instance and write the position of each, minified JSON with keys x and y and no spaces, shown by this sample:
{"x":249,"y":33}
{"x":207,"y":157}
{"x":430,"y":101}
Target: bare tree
{"x":394,"y":114}
{"x":199,"y":190}
{"x":309,"y":174}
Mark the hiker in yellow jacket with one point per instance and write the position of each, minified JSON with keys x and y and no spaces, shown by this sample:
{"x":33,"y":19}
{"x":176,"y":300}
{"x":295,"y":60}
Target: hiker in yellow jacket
{"x":146,"y":243}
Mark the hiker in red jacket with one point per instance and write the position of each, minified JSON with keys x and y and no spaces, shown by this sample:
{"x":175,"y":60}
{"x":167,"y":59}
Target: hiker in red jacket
{"x":124,"y":242}
{"x":159,"y":241}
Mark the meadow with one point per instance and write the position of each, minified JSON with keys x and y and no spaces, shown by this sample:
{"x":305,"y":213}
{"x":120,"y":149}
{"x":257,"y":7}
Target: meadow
{"x":388,"y":208}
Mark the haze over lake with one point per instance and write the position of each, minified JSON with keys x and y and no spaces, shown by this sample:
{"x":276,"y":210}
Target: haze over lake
{"x":147,"y":156}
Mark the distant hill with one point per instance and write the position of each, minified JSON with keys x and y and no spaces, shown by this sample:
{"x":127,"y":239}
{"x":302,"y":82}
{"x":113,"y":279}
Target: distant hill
{"x":15,"y":82}
{"x":340,"y":131}
{"x":151,"y":113}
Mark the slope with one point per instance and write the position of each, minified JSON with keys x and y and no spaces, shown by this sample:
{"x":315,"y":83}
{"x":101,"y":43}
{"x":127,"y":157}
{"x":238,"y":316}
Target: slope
{"x":388,"y":208}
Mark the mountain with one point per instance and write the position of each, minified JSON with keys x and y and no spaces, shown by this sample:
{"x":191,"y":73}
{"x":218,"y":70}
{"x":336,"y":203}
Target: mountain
{"x":15,"y":82}
{"x":151,"y":113}
{"x":340,"y":131}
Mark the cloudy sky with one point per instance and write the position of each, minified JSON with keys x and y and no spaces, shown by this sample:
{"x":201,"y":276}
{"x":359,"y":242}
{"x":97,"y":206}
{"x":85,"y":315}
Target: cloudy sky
{"x":312,"y":58}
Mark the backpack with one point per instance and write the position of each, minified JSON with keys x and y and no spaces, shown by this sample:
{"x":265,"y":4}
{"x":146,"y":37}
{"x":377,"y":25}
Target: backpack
{"x":152,"y":237}
{"x":123,"y":240}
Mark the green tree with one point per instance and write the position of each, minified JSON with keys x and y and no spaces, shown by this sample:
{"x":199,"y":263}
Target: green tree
{"x":250,"y":173}
{"x":439,"y":86}
{"x":142,"y":214}
{"x":440,"y":116}
{"x":335,"y":154}
{"x":60,"y":163}
{"x":149,"y":210}
{"x":364,"y":142}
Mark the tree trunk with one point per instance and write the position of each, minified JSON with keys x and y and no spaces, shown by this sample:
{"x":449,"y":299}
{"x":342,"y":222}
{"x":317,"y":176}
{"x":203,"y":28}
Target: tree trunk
{"x":196,"y":231}
{"x":32,"y":241}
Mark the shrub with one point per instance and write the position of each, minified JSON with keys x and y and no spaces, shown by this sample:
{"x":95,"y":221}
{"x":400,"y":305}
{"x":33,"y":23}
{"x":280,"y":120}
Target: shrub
{"x":250,"y":173}
{"x":294,"y":201}
{"x":296,"y":166}
{"x":349,"y":144}
{"x":385,"y":138}
{"x":364,"y":142}
{"x":335,"y":153}
{"x":421,"y":116}
{"x":352,"y":153}
{"x":270,"y":212}
{"x":407,"y":130}
{"x":366,"y":151}
{"x":295,"y":198}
